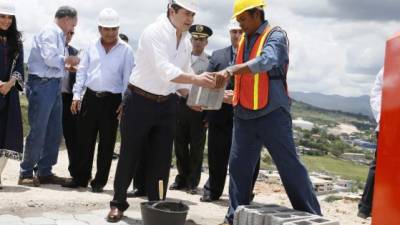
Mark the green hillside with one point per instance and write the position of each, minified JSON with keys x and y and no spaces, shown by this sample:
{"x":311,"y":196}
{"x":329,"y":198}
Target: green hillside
{"x":330,"y":118}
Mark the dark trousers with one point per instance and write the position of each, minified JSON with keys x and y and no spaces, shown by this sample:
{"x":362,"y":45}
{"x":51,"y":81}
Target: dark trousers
{"x":139,"y":180}
{"x":219,"y":147}
{"x":274,"y":131}
{"x":365,"y":204}
{"x":97,"y":117}
{"x":144,"y":119}
{"x":70,"y":129}
{"x":189,"y":146}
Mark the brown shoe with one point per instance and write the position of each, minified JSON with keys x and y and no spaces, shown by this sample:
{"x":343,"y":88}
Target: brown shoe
{"x":115,"y":215}
{"x":52,"y":179}
{"x":29,"y":181}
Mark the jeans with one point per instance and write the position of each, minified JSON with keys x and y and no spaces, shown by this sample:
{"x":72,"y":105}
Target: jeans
{"x":45,"y":116}
{"x":274,"y":131}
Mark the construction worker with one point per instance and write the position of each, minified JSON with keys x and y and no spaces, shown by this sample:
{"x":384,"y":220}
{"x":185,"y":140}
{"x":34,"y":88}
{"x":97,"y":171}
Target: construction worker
{"x":220,"y":122}
{"x":190,"y":129}
{"x":104,"y":72}
{"x":150,"y":103}
{"x":262,"y":113}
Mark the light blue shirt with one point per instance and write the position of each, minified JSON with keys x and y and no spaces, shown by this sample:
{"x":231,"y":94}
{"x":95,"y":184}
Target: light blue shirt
{"x":48,"y":53}
{"x":104,"y":72}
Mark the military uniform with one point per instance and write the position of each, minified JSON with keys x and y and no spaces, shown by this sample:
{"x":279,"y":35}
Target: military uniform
{"x":191,"y":130}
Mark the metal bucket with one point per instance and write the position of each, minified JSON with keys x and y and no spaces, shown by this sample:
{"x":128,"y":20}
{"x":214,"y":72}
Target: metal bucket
{"x":163,"y":213}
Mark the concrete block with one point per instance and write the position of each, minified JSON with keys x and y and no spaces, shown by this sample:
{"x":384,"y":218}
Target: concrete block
{"x":255,"y":214}
{"x":280,"y":218}
{"x":313,"y":221}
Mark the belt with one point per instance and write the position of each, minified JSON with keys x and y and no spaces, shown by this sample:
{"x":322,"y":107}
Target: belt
{"x":44,"y":78}
{"x":99,"y":94}
{"x":156,"y":98}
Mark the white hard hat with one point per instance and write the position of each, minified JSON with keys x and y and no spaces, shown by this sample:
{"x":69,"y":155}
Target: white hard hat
{"x":108,"y":18}
{"x":7,"y":7}
{"x":190,"y":5}
{"x":234,"y":25}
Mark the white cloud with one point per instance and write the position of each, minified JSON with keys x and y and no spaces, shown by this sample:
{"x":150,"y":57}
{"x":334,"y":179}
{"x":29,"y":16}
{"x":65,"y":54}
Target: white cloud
{"x":333,"y":51}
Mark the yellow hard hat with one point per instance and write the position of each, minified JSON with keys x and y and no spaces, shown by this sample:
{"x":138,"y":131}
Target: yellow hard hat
{"x":242,"y":5}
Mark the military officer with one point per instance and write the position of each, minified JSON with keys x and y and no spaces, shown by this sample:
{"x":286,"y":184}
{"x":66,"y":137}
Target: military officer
{"x":191,"y":130}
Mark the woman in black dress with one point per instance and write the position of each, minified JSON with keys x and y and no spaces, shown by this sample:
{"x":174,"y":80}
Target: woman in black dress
{"x":11,"y":82}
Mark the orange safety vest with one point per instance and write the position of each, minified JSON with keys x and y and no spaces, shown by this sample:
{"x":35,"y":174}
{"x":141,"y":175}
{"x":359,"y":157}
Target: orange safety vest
{"x":251,"y":90}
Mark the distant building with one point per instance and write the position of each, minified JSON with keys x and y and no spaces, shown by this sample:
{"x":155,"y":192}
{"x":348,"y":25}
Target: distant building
{"x":322,"y":186}
{"x":303,"y":124}
{"x":301,"y":150}
{"x":354,"y":156}
{"x":344,"y":185}
{"x":364,"y":144}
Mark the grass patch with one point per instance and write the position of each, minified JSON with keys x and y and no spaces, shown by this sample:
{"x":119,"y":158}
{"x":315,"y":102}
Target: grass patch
{"x":332,"y":198}
{"x":338,"y":167}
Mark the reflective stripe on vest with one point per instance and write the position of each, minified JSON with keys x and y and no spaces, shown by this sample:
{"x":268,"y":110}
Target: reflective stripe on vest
{"x":251,"y":90}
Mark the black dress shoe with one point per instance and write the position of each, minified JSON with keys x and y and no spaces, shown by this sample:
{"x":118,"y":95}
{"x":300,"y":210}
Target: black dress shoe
{"x":115,"y":156}
{"x":206,"y":198}
{"x":176,"y":186}
{"x":363,"y":215}
{"x":252,"y":196}
{"x":73,"y":184}
{"x":136,"y":193}
{"x":115,"y":215}
{"x":97,"y":189}
{"x":192,"y":191}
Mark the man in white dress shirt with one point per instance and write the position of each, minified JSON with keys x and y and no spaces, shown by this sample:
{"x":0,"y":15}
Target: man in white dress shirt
{"x":150,"y":103}
{"x":104,"y":72}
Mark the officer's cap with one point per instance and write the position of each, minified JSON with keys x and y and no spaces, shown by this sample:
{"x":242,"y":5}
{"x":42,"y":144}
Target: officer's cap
{"x":200,"y":31}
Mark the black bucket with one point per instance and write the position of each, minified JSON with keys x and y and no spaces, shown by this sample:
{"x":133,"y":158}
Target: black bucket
{"x":164,"y":213}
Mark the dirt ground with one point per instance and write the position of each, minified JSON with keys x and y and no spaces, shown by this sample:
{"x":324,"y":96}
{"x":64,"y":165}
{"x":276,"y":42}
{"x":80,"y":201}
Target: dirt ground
{"x":25,"y":201}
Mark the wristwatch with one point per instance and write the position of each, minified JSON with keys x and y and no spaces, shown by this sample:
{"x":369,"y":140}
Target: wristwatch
{"x":229,"y":71}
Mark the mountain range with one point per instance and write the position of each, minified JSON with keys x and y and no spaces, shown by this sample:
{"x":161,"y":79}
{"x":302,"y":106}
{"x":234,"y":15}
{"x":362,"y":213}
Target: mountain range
{"x":356,"y":105}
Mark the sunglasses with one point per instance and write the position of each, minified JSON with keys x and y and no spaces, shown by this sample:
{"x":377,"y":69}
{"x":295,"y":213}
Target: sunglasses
{"x":71,"y":33}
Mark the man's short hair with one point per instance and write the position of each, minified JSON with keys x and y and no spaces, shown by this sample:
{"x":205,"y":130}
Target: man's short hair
{"x":175,"y":7}
{"x":257,"y":9}
{"x":66,"y":11}
{"x":124,"y":37}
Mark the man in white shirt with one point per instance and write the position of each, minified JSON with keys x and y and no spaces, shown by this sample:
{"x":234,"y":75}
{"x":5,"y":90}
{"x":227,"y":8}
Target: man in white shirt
{"x":104,"y":72}
{"x":365,"y":204}
{"x":150,"y":103}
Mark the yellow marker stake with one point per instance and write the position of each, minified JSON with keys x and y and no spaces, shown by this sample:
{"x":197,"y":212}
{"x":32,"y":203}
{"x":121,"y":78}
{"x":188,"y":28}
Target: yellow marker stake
{"x":161,"y":189}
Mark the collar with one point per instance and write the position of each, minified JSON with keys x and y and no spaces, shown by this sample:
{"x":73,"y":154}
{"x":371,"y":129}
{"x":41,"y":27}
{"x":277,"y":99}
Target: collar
{"x":119,"y":42}
{"x":203,"y":57}
{"x":260,"y":29}
{"x":233,"y":49}
{"x":170,"y":28}
{"x":59,"y":31}
{"x":3,"y":39}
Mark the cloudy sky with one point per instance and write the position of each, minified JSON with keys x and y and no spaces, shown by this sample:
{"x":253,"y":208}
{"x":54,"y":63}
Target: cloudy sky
{"x":336,"y":46}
